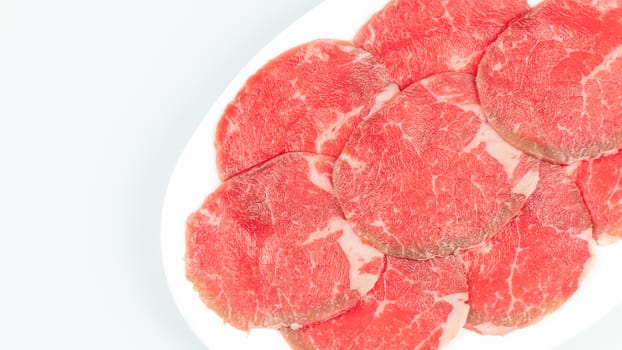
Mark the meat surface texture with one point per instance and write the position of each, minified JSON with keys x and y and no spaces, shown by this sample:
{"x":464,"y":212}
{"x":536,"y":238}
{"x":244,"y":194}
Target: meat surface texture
{"x":270,"y":247}
{"x":535,"y":263}
{"x":600,"y":182}
{"x":426,"y":176}
{"x":415,"y":305}
{"x":419,"y":38}
{"x":307,"y":99}
{"x":550,"y":84}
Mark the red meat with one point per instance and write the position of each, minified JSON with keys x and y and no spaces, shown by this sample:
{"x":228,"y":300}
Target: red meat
{"x":535,"y":263}
{"x":426,"y":176}
{"x":600,"y":182}
{"x":270,"y":247}
{"x":551,"y":83}
{"x":307,"y":99}
{"x":418,"y":38}
{"x":414,"y":305}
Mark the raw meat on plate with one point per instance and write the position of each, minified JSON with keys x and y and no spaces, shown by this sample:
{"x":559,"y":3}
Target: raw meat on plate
{"x":419,"y":38}
{"x":535,"y":263}
{"x":270,"y":247}
{"x":600,"y":182}
{"x":550,"y":84}
{"x":414,"y":305}
{"x":426,"y":176}
{"x":307,"y":99}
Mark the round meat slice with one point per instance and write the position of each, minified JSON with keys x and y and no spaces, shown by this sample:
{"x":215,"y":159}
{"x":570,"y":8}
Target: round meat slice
{"x":551,"y":83}
{"x":419,"y":38}
{"x":414,"y":305}
{"x":426,"y":176}
{"x":535,"y":263}
{"x":307,"y":99}
{"x":271,"y":248}
{"x":600,"y":182}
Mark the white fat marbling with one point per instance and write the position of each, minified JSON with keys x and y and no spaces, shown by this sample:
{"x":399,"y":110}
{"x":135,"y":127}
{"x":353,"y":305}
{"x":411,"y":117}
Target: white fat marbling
{"x":496,"y":147}
{"x":321,"y":180}
{"x":331,"y":131}
{"x":359,"y":254}
{"x":212,"y":219}
{"x":527,"y":183}
{"x":493,"y":329}
{"x":382,"y":98}
{"x":456,"y":318}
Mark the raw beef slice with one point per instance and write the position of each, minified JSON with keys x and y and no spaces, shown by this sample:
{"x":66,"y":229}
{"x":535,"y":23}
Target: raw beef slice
{"x":600,"y":182}
{"x":419,"y":38}
{"x":270,"y":247}
{"x":415,"y":305}
{"x":426,"y":176}
{"x":307,"y":99}
{"x":551,"y":83}
{"x":535,"y":263}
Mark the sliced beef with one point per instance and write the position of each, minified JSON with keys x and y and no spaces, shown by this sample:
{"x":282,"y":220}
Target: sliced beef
{"x":535,"y":263}
{"x":270,"y":247}
{"x":414,"y":305}
{"x":600,"y":182}
{"x":419,"y":38}
{"x":307,"y":99}
{"x":426,"y":176}
{"x":551,"y":83}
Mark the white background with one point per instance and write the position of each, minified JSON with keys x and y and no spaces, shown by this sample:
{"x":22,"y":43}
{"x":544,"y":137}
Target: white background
{"x":97,"y":100}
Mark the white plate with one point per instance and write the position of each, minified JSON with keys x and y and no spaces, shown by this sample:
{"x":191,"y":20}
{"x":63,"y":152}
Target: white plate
{"x":195,"y":176}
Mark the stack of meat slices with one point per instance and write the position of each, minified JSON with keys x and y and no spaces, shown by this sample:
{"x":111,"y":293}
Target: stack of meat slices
{"x":452,"y":166}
